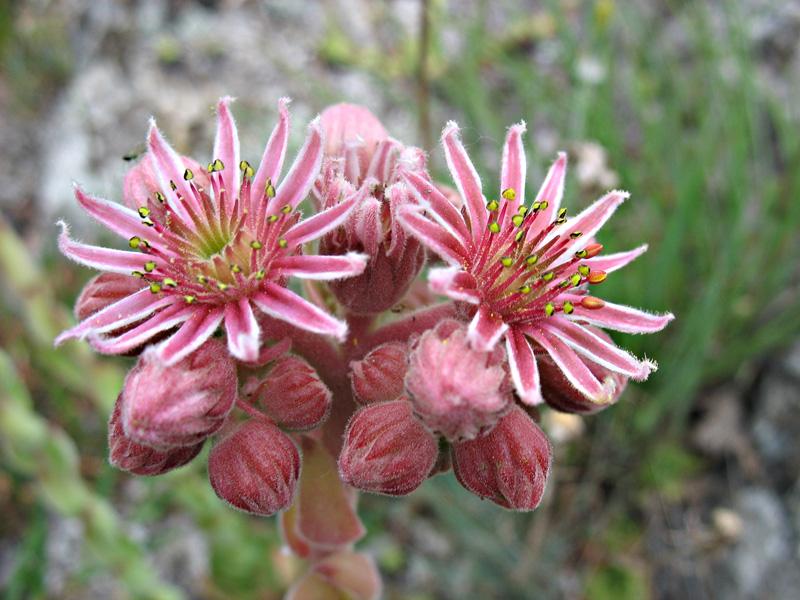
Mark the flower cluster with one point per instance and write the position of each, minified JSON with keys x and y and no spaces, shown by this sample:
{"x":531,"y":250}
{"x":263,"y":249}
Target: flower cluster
{"x":311,"y":396}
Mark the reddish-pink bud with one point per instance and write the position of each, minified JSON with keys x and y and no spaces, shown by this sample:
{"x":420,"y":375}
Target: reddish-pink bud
{"x":560,"y":394}
{"x":102,"y":290}
{"x":378,"y":377}
{"x":509,"y":465}
{"x":255,"y":468}
{"x":351,"y":128}
{"x":125,"y":454}
{"x":456,"y":391}
{"x":293,"y":395}
{"x":182,"y":404}
{"x":386,"y":450}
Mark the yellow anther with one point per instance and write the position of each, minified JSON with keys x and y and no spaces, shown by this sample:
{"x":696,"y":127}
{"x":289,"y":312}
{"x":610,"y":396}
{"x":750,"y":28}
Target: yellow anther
{"x":246,"y":168}
{"x":172,"y":185}
{"x":135,"y":242}
{"x":188,"y":175}
{"x":517,"y":220}
{"x":201,"y":279}
{"x":523,"y":210}
{"x":544,"y":204}
{"x":222,"y":286}
{"x":287,"y":208}
{"x":581,"y":253}
{"x":507,"y":261}
{"x":549,"y":309}
{"x":525,"y":289}
{"x":236,"y":269}
{"x":520,"y":235}
{"x":532,"y":259}
{"x":189,"y":299}
{"x":160,"y":197}
{"x":562,"y":212}
{"x":143,"y":211}
{"x":150,"y":266}
{"x":138,"y":274}
{"x":548,"y":276}
{"x":148,"y":221}
{"x":492,"y":205}
{"x":575,"y":234}
{"x":261,"y":274}
{"x":155,"y":287}
{"x":536,"y":206}
{"x":494,"y":227}
{"x":584,"y":270}
{"x":283,"y":243}
{"x":269,"y":188}
{"x":575,"y":279}
{"x":273,"y":218}
{"x":216,"y":166}
{"x":568,"y":308}
{"x":256,"y":245}
{"x":509,"y":194}
{"x":169,"y":282}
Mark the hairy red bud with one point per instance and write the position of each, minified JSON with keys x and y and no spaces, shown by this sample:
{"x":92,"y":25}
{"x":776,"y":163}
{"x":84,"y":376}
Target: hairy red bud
{"x":182,"y":404}
{"x":509,"y":465}
{"x":378,"y":377}
{"x":125,"y":454}
{"x":293,"y":395}
{"x":386,"y":450}
{"x":255,"y":468}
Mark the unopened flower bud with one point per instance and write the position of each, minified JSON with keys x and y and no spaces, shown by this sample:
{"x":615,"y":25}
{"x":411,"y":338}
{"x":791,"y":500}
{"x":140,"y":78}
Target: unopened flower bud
{"x":293,"y":395}
{"x":509,"y":465}
{"x":182,"y":404}
{"x":255,"y":468}
{"x":378,"y":377}
{"x":386,"y":450}
{"x":456,"y":391}
{"x":559,"y":393}
{"x":126,"y":454}
{"x":350,"y":128}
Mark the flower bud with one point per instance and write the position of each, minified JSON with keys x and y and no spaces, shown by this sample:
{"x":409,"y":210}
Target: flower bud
{"x":378,"y":377}
{"x":456,"y":391}
{"x":352,"y":129}
{"x":509,"y":465}
{"x":293,"y":395}
{"x":560,"y":394}
{"x":182,"y":404}
{"x":386,"y":450}
{"x":255,"y":468}
{"x":127,"y":455}
{"x":102,"y":290}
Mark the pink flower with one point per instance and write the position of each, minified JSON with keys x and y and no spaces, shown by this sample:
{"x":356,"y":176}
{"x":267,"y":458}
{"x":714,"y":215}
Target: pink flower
{"x":210,"y":245}
{"x":360,"y":156}
{"x":525,"y":271}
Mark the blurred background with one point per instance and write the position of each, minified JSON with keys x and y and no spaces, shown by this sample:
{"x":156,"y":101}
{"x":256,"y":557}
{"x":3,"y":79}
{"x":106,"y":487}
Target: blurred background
{"x":686,"y":489}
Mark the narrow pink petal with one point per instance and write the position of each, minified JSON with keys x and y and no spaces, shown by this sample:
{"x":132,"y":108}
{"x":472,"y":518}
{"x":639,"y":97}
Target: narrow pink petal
{"x":588,"y":222}
{"x":513,"y":167}
{"x":274,"y":152}
{"x":169,"y":168}
{"x":523,"y":367}
{"x":621,"y":318}
{"x":133,"y":338}
{"x":466,"y":179}
{"x":574,"y":369}
{"x":242,"y":330}
{"x":104,"y":259}
{"x":226,"y":148}
{"x":433,"y":235}
{"x":447,"y":215}
{"x":552,"y":191}
{"x":192,"y":334}
{"x":455,"y":283}
{"x":596,"y":349}
{"x":285,"y":305}
{"x":322,"y":267}
{"x":324,"y":221}
{"x":485,"y":329}
{"x":380,"y":165}
{"x":121,"y":220}
{"x":123,"y":312}
{"x":295,"y":187}
{"x":612,"y":262}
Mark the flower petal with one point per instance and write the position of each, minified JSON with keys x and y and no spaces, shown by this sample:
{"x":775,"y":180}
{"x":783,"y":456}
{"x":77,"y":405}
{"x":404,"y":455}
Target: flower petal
{"x":104,"y":259}
{"x":324,"y":221}
{"x":432,"y":235}
{"x":621,"y":318}
{"x":295,"y":187}
{"x":523,"y":368}
{"x":287,"y":306}
{"x":485,"y":329}
{"x":274,"y":152}
{"x":513,"y":167}
{"x":466,"y":179}
{"x":133,"y":338}
{"x":121,"y":220}
{"x":596,"y":349}
{"x":170,"y":170}
{"x":226,"y":149}
{"x":129,"y":310}
{"x":323,"y":267}
{"x":381,"y":164}
{"x":442,"y":210}
{"x":612,"y":262}
{"x":192,"y":334}
{"x":574,"y":369}
{"x":552,"y":191}
{"x":242,"y":330}
{"x":455,"y":283}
